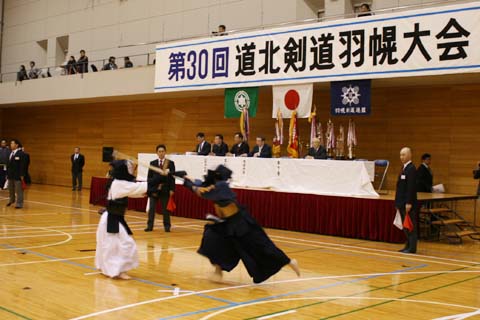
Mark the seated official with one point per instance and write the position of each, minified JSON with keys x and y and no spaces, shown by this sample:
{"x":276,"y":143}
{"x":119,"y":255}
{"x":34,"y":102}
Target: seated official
{"x":219,"y":148}
{"x":317,"y":151}
{"x":203,"y":147}
{"x":240,"y":147}
{"x":261,"y":150}
{"x":425,"y":175}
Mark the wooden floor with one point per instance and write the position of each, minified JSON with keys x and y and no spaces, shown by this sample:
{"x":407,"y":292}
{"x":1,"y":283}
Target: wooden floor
{"x":47,"y":271}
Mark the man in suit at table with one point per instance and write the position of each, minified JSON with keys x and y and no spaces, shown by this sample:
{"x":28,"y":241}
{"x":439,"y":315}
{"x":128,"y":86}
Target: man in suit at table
{"x":203,"y":147}
{"x":406,"y":197}
{"x":78,"y":162}
{"x":162,"y":188}
{"x":317,"y":151}
{"x":425,"y":175}
{"x":261,"y":149}
{"x":219,"y":148}
{"x":240,"y":148}
{"x":15,"y":174}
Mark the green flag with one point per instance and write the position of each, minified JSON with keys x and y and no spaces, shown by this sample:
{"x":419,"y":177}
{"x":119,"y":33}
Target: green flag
{"x":237,"y":99}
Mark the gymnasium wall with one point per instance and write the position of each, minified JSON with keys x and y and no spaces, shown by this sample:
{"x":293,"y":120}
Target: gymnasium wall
{"x":441,"y":120}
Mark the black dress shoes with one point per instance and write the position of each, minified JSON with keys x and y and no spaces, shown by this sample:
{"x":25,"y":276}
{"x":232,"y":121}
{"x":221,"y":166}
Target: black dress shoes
{"x":148,"y":229}
{"x":9,"y":204}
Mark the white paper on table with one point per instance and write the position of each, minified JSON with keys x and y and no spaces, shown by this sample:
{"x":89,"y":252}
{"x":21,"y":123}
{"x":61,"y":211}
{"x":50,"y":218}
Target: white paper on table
{"x":439,"y":188}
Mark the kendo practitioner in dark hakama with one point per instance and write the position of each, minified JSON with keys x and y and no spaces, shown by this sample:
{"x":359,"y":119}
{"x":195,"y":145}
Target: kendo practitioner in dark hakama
{"x":233,"y":234}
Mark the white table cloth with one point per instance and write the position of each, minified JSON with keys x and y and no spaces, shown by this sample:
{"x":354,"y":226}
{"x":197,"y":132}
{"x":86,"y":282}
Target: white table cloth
{"x":323,"y":177}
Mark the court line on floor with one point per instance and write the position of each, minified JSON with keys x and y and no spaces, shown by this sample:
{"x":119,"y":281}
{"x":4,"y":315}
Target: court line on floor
{"x":69,"y":237}
{"x":336,"y":245}
{"x":133,"y":278}
{"x":345,"y":298}
{"x":15,"y":313}
{"x":88,"y":257}
{"x":326,"y":286}
{"x":460,"y":270}
{"x":373,"y":249}
{"x":408,"y":257}
{"x":366,"y":250}
{"x":145,"y":302}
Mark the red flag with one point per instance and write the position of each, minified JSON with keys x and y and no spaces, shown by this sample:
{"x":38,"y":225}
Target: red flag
{"x":171,"y":206}
{"x":407,"y":222}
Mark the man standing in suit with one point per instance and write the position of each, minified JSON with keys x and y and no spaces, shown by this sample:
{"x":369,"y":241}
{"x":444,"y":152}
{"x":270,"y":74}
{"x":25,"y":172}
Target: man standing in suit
{"x":261,"y":150}
{"x":425,"y":175}
{"x":240,"y":148}
{"x":203,"y":147}
{"x":78,"y":161}
{"x":406,"y":198}
{"x":220,"y":148}
{"x":4,"y":155}
{"x":160,"y":188}
{"x":15,"y":174}
{"x":317,"y":151}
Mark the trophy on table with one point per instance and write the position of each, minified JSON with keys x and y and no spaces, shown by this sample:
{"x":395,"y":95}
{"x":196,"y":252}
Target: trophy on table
{"x":330,"y":135}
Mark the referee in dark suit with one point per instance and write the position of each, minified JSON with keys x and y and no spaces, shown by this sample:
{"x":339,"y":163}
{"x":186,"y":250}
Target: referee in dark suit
{"x":78,"y":162}
{"x":406,"y":197}
{"x":160,"y":188}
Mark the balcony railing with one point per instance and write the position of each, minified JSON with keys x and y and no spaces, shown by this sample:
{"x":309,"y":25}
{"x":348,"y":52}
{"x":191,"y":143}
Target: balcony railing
{"x":145,"y":59}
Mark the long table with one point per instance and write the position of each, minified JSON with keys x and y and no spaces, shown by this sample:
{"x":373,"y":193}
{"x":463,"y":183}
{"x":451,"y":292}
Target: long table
{"x":306,"y":176}
{"x":352,"y":217}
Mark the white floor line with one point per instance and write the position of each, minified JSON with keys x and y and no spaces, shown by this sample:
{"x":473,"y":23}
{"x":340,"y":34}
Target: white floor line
{"x":336,"y":298}
{"x":277,"y":315}
{"x":69,"y":237}
{"x":145,"y":302}
{"x":92,"y":273}
{"x":370,"y":251}
{"x":90,"y":257}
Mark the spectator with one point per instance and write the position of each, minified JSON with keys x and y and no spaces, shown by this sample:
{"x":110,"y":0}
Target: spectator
{"x":111,"y":64}
{"x":365,"y":10}
{"x":220,"y":148}
{"x":22,"y":73}
{"x":127,"y":62}
{"x":82,"y":63}
{"x":221,"y":31}
{"x":261,"y":150}
{"x":70,"y":68}
{"x":203,"y":147}
{"x":78,"y":162}
{"x":4,"y":156}
{"x":34,"y":72}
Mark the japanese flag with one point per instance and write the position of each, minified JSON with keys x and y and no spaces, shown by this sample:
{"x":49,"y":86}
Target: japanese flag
{"x":292,"y":97}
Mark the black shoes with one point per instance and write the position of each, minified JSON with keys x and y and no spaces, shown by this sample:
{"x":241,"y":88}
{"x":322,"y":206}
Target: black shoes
{"x":148,"y":229}
{"x":9,"y":204}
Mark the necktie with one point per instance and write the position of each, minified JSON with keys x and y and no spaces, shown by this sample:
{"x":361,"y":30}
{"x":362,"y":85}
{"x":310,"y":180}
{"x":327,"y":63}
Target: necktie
{"x":161,"y":163}
{"x":11,"y":155}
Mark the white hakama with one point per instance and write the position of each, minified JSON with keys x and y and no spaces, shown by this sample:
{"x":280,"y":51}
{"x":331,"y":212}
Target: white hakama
{"x":117,"y":252}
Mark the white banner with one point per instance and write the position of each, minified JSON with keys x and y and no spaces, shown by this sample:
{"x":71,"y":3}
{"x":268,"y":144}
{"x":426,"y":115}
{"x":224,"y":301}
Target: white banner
{"x":430,"y":41}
